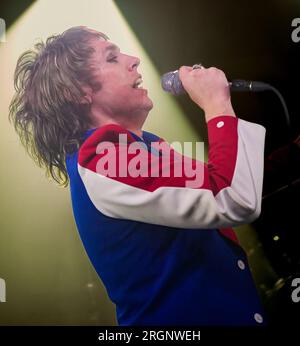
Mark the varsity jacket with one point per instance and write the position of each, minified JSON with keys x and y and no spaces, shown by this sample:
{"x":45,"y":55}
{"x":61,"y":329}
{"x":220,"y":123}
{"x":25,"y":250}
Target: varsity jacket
{"x":163,"y":247}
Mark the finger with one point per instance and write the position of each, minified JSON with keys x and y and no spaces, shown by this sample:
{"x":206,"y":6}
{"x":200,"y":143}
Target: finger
{"x":183,"y":70}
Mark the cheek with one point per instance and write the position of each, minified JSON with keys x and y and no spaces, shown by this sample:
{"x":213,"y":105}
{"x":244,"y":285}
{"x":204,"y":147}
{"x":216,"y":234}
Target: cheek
{"x":115,"y":97}
{"x":114,"y":88}
{"x":120,"y":94}
{"x":115,"y":91}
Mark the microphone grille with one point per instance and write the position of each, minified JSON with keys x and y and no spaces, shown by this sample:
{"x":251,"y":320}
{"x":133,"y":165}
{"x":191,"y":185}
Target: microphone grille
{"x":171,"y":83}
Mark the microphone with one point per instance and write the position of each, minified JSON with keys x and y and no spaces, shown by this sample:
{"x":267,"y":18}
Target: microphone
{"x":171,"y":83}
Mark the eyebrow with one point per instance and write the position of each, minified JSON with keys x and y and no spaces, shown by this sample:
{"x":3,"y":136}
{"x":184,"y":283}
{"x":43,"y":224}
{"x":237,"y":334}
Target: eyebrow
{"x":110,"y":48}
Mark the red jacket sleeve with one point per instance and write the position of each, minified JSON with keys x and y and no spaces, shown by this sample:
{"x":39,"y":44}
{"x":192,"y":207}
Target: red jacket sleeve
{"x":125,"y":180}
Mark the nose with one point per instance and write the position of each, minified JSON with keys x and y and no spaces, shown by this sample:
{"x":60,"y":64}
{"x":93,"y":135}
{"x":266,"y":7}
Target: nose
{"x":134,"y":63}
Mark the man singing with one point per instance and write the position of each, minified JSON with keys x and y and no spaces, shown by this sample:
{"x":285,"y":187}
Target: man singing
{"x":164,"y":249}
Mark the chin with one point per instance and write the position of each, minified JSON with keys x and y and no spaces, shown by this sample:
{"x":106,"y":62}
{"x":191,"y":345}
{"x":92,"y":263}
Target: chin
{"x":143,"y":110}
{"x":150,"y":106}
{"x":149,"y":103}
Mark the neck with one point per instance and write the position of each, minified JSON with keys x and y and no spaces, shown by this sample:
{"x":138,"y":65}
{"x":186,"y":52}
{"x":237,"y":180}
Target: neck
{"x":135,"y":127}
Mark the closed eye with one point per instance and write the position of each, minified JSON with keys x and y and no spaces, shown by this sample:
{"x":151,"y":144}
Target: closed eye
{"x":112,"y":59}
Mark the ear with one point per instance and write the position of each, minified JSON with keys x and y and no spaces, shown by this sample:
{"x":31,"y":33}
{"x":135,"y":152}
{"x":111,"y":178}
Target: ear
{"x":87,"y":98}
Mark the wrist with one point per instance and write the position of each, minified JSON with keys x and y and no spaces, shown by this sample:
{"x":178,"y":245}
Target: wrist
{"x":217,"y":111}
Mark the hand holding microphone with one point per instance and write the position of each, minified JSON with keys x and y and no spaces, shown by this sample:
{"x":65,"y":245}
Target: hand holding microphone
{"x":171,"y":82}
{"x":208,"y":88}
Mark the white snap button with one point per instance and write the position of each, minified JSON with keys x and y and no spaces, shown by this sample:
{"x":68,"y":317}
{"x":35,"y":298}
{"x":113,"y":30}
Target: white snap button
{"x":241,"y":264}
{"x":220,"y":124}
{"x":258,"y":318}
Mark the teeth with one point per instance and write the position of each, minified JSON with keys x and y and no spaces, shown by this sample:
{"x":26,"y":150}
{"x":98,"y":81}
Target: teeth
{"x":138,"y":83}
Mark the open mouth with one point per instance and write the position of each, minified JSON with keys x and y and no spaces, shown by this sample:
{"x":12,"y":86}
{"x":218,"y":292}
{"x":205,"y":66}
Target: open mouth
{"x":138,"y":84}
